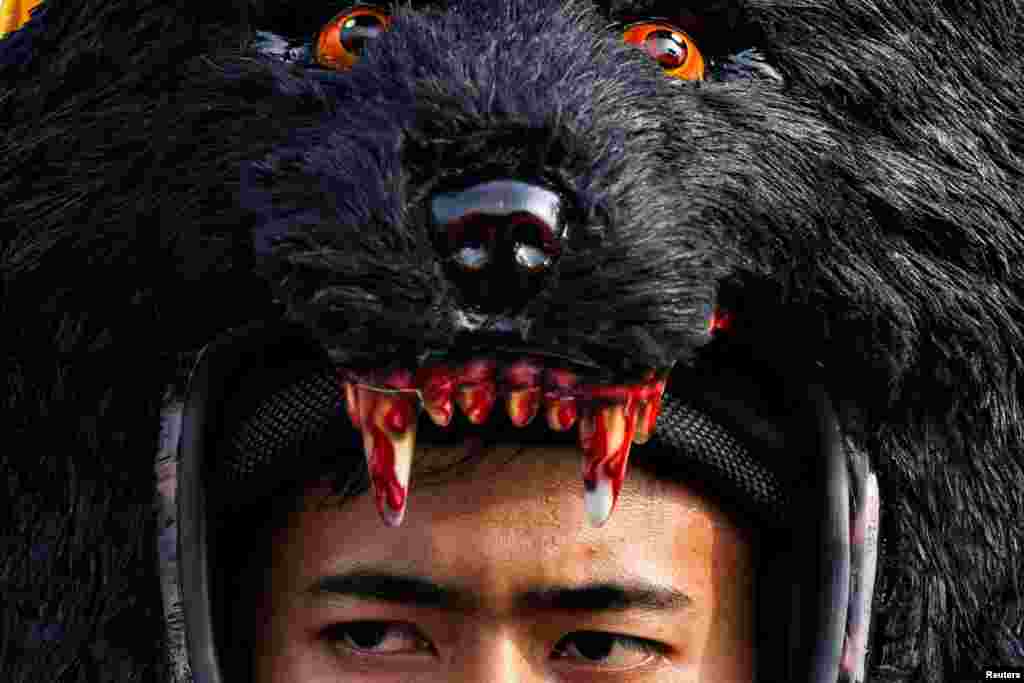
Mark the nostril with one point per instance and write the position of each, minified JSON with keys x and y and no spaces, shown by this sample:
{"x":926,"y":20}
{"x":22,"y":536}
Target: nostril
{"x":531,"y":259}
{"x":498,"y":241}
{"x":501,"y":215}
{"x":472,"y":258}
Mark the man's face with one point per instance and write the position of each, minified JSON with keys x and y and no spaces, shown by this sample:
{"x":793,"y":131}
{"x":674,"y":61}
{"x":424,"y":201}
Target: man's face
{"x":496,"y":576}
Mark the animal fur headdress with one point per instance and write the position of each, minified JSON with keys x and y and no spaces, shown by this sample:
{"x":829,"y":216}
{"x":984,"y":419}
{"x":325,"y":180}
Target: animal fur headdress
{"x":847,"y":184}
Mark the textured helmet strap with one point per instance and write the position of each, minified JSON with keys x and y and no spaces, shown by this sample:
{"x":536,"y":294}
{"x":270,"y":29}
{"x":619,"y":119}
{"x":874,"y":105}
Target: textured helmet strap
{"x":864,"y":550}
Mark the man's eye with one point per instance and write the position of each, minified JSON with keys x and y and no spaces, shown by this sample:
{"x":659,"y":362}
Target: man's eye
{"x":608,"y":650}
{"x":342,"y":39}
{"x":672,"y":48}
{"x":377,"y":638}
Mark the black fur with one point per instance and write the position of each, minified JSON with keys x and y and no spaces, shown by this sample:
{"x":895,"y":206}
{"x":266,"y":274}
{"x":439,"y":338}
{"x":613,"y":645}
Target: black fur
{"x":849,"y":182}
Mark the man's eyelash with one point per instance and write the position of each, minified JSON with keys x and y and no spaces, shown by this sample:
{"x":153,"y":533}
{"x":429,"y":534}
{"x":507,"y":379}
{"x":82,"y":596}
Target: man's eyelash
{"x":339,"y":632}
{"x":631,"y":642}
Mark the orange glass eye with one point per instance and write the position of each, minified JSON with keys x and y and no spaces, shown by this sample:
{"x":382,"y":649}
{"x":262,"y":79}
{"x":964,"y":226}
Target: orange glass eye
{"x":674,"y":50}
{"x":343,"y":38}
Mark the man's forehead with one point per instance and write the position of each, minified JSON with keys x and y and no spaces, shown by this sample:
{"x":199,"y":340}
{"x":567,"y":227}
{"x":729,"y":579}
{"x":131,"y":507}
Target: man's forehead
{"x":488,"y":482}
{"x":493,"y":469}
{"x":516,"y":521}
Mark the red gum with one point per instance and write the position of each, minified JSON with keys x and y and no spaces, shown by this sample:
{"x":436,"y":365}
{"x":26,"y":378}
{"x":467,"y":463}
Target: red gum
{"x":523,"y":374}
{"x":623,"y":393}
{"x":475,"y":388}
{"x":562,"y":379}
{"x":478,"y":371}
{"x":399,"y":379}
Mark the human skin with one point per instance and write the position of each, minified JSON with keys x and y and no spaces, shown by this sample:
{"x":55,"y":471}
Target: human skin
{"x":499,"y":529}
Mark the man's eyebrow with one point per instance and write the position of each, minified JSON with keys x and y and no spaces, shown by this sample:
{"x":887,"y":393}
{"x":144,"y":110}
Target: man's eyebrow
{"x":417,"y":591}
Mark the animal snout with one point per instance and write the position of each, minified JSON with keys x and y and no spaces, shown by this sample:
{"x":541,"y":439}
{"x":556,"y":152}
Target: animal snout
{"x":499,"y":240}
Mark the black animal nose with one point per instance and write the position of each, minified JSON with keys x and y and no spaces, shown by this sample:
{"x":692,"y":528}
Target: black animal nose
{"x":499,"y":241}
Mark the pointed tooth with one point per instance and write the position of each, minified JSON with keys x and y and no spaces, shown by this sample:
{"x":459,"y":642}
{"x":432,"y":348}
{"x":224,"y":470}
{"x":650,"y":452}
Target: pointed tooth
{"x":389,"y":441}
{"x":647,"y":416}
{"x":587,"y":428}
{"x":351,"y":404}
{"x":477,"y":401}
{"x":614,"y":418}
{"x":561,"y":414}
{"x":437,"y":385}
{"x":522,"y":406}
{"x":605,"y":459}
{"x":644,"y":423}
{"x":478,"y":391}
{"x":598,"y":502}
{"x":440,"y":413}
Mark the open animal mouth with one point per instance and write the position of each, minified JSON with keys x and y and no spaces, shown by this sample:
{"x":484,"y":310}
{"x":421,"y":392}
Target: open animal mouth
{"x":383,"y":404}
{"x":498,"y":244}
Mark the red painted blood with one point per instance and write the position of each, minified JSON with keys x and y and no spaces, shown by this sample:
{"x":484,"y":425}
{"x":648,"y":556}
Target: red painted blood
{"x":398,"y":413}
{"x":566,"y":414}
{"x":560,"y":378}
{"x":437,"y":383}
{"x":655,"y":404}
{"x":599,"y":458}
{"x":523,"y":374}
{"x":524,"y":406}
{"x":475,"y":388}
{"x":477,"y":401}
